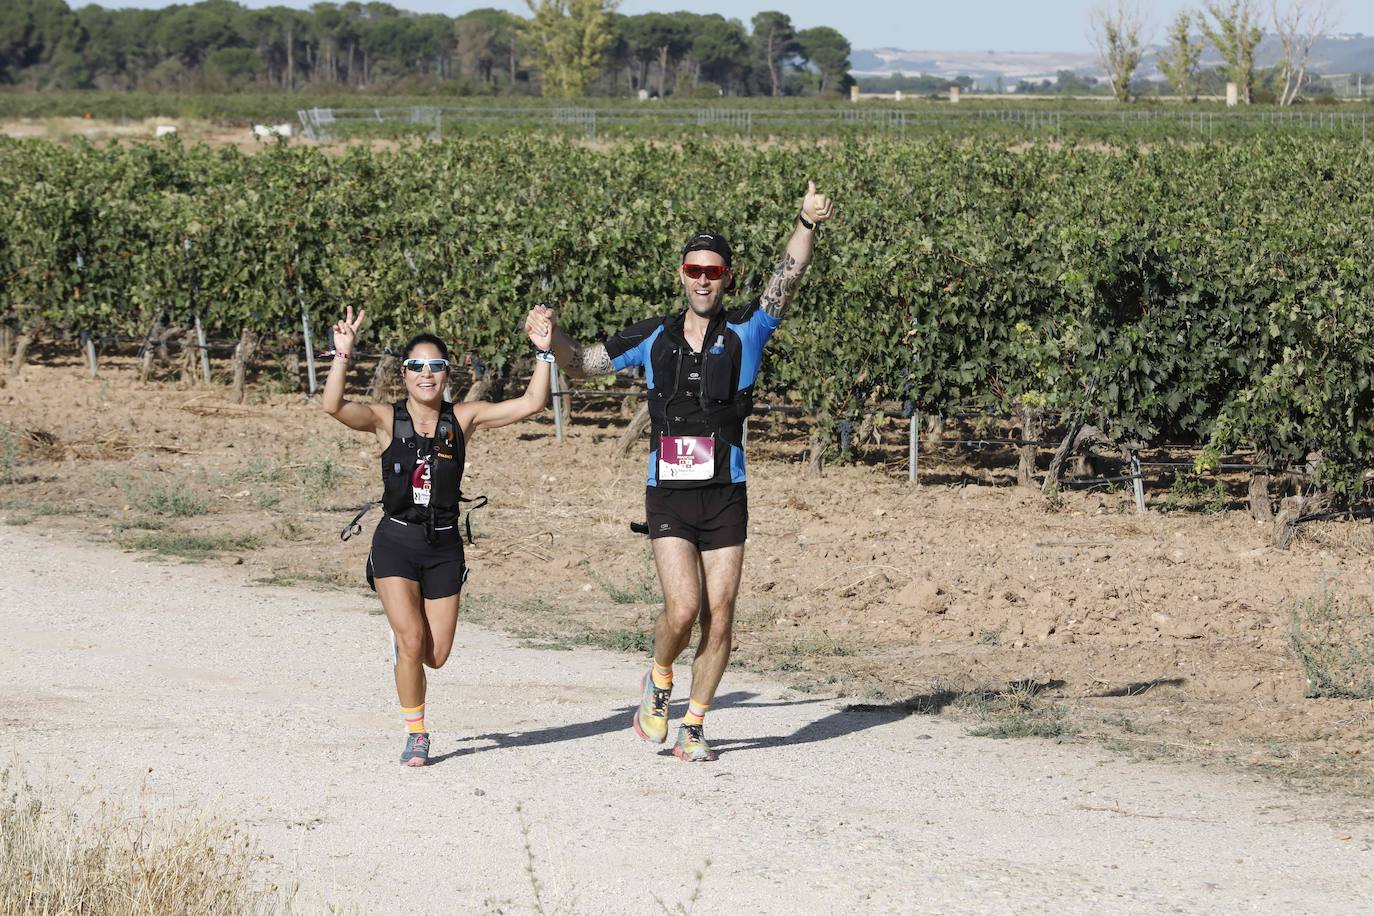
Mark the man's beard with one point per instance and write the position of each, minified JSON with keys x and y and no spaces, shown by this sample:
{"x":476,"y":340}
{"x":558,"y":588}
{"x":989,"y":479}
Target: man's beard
{"x":715,"y":306}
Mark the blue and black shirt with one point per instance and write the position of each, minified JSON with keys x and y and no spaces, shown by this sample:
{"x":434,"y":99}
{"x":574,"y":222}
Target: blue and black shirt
{"x":698,"y":402}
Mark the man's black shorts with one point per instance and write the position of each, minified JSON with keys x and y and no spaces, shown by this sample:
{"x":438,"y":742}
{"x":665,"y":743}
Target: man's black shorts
{"x":708,"y":517}
{"x":400,"y":549}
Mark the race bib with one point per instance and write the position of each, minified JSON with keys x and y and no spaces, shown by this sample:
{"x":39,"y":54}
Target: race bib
{"x":419,"y":483}
{"x":686,"y":458}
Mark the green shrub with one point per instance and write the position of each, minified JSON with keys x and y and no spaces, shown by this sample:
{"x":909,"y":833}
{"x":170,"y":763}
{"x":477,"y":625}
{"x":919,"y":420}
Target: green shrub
{"x":175,"y":499}
{"x":321,"y":478}
{"x":1014,"y":711}
{"x":9,"y":455}
{"x":190,"y":546}
{"x":645,"y":591}
{"x":1333,"y":641}
{"x":262,"y":470}
{"x":622,"y":640}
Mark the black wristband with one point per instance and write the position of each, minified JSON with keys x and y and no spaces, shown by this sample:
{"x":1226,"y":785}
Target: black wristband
{"x":801,"y":218}
{"x":545,"y":356}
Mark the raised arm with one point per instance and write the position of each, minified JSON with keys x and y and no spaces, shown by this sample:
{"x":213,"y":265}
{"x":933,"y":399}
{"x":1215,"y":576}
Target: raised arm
{"x":581,"y":361}
{"x":539,"y":325}
{"x":782,"y":286}
{"x":365,"y":418}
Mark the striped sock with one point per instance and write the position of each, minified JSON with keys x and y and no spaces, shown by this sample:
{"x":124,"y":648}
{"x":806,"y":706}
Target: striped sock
{"x":415,"y":718}
{"x":663,"y":677}
{"x":696,"y":713}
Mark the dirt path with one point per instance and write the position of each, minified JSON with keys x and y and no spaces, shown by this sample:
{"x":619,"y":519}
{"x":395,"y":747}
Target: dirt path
{"x":272,"y":705}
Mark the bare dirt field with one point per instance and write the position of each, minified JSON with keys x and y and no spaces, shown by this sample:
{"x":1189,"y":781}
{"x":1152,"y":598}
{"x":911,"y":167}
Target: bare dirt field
{"x":144,"y":130}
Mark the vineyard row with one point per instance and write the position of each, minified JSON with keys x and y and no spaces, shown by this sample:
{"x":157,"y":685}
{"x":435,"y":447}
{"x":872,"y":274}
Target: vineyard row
{"x":1221,"y":295}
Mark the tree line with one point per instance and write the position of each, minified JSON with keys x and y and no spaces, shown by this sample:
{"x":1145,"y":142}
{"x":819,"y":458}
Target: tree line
{"x":1235,"y":28}
{"x":565,"y":47}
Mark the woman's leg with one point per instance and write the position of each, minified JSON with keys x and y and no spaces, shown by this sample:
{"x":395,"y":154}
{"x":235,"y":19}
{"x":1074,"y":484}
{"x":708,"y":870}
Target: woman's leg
{"x":405,"y":611}
{"x":441,"y":622}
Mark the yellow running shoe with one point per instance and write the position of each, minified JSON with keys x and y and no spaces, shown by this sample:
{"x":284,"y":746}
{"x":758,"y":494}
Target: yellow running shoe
{"x":651,"y":718}
{"x":691,"y":745}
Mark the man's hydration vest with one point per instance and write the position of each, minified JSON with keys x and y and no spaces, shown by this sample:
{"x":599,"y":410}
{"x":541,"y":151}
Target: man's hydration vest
{"x":698,"y":401}
{"x":717,"y":407}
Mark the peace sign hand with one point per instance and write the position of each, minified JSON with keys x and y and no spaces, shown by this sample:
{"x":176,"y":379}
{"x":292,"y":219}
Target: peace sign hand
{"x":346,"y":331}
{"x":816,"y":207}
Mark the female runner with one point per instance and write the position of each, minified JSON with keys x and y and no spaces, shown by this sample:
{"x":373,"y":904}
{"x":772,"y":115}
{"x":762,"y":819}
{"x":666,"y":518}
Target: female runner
{"x":416,"y":563}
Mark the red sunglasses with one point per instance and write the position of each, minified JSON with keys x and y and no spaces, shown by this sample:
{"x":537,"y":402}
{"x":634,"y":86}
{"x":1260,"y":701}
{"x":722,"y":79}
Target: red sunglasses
{"x":709,"y":271}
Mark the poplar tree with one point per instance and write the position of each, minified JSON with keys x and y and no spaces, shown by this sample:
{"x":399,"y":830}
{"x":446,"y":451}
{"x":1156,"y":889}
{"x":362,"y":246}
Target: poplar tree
{"x":568,"y":39}
{"x":1235,"y":32}
{"x":1179,"y":63}
{"x":1116,"y":33}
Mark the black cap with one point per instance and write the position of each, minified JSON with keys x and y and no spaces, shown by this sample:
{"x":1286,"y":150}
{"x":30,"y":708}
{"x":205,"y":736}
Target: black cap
{"x":708,"y":241}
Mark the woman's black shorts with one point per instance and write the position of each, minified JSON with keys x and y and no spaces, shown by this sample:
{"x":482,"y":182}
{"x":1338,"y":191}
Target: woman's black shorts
{"x":400,"y":549}
{"x":708,"y":517}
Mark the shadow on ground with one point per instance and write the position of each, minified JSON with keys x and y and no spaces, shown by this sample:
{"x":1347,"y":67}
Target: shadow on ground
{"x":857,"y":717}
{"x":616,"y":721}
{"x":840,"y":723}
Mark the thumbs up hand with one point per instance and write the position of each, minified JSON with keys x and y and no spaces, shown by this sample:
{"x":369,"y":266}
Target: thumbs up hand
{"x":816,"y":207}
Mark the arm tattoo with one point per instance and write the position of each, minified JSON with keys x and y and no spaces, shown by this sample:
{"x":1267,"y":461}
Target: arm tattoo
{"x":593,"y":360}
{"x":782,"y":286}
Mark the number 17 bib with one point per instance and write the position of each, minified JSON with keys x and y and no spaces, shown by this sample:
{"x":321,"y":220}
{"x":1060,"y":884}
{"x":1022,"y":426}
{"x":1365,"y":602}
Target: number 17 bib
{"x":686,"y":458}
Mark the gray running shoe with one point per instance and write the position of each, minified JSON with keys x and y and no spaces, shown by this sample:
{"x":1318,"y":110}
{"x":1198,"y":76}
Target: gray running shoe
{"x":416,"y":753}
{"x":691,"y":745}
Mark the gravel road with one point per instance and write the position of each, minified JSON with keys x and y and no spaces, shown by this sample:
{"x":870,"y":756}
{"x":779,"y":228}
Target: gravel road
{"x":273,"y":706}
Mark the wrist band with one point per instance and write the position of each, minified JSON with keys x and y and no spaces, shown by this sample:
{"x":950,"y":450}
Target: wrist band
{"x":337,"y":353}
{"x":801,"y":218}
{"x":545,"y":356}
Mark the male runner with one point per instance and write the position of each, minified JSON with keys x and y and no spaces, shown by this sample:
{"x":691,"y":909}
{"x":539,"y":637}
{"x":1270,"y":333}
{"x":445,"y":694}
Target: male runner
{"x":700,"y":366}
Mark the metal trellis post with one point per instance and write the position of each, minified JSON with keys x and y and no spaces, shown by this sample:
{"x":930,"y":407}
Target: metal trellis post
{"x":1137,"y":484}
{"x":913,"y":451}
{"x":557,"y":402}
{"x":309,"y":347}
{"x":88,"y":344}
{"x":204,"y":351}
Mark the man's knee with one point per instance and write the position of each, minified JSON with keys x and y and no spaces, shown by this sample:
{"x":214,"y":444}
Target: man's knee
{"x":681,"y":614}
{"x":718,"y":624}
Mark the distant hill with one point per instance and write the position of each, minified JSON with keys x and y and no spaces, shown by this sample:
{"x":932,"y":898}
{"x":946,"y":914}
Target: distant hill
{"x":986,"y":67}
{"x":1337,"y":54}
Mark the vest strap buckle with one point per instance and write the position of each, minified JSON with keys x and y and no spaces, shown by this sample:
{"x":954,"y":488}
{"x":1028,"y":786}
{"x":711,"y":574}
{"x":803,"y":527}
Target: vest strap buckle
{"x":355,"y":527}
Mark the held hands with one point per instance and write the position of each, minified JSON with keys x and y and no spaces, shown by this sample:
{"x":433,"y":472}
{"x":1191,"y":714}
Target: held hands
{"x":539,"y":325}
{"x":816,"y":207}
{"x":346,"y":332}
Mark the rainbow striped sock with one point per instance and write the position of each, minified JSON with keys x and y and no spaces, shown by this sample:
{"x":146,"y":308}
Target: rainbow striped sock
{"x":696,"y":713}
{"x":415,"y":718}
{"x":663,"y":677}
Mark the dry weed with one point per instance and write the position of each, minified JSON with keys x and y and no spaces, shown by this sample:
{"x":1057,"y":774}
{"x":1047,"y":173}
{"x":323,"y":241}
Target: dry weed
{"x":52,"y":861}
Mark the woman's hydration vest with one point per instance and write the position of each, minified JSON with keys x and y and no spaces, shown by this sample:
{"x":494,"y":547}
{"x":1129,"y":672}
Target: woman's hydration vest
{"x":422,"y":476}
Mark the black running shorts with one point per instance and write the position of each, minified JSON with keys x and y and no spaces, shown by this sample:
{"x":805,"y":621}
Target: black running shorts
{"x":400,"y":549}
{"x":708,"y":517}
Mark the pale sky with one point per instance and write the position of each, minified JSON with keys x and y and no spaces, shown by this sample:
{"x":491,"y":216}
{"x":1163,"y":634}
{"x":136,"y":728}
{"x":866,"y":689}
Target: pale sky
{"x":943,"y":25}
